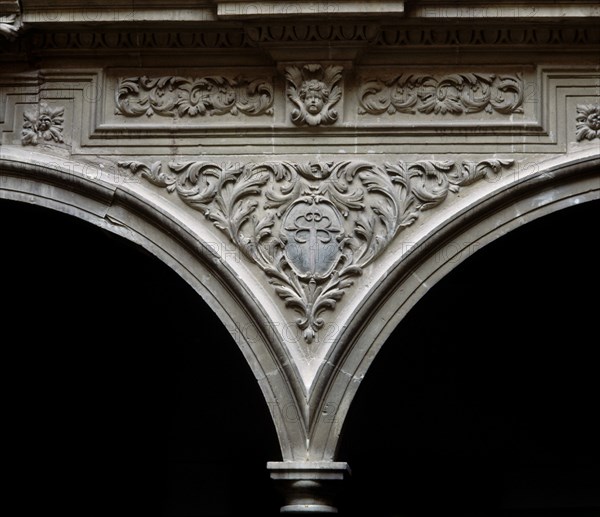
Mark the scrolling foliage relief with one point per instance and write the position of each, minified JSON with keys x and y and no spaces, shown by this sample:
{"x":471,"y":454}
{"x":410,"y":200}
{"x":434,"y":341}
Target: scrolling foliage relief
{"x":173,"y":96}
{"x":452,"y":93}
{"x":312,"y":228}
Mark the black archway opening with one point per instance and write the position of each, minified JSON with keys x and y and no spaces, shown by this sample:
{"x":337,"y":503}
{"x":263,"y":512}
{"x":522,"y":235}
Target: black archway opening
{"x":484,"y":400}
{"x":125,"y":395}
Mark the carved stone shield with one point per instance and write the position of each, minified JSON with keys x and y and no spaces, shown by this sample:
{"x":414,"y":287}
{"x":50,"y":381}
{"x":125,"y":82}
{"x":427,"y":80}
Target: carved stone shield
{"x":311,"y":232}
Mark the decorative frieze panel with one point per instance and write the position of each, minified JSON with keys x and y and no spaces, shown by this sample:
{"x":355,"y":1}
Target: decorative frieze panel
{"x":309,"y":106}
{"x":455,"y":93}
{"x":174,"y":96}
{"x":312,"y":228}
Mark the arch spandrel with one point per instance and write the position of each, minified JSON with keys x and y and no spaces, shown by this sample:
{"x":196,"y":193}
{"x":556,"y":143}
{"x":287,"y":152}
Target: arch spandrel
{"x":348,"y":356}
{"x":309,"y":174}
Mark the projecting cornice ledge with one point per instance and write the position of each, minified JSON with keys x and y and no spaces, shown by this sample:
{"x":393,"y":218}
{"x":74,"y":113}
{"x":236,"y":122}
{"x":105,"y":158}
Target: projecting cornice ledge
{"x":190,"y":13}
{"x":236,"y":9}
{"x":419,"y":9}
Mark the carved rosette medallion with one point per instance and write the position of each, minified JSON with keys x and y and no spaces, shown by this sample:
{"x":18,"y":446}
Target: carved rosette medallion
{"x":313,"y":228}
{"x":453,"y":93}
{"x":42,"y":123}
{"x":314,"y":91}
{"x":173,"y":96}
{"x":588,"y":122}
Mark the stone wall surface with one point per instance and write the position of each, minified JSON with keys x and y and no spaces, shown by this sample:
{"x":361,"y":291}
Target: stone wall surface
{"x":310,"y":168}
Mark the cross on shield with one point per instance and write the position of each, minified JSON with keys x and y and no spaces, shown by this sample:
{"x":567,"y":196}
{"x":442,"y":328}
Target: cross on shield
{"x":310,"y":231}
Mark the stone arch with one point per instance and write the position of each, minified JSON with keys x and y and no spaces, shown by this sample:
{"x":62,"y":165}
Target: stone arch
{"x":490,"y":379}
{"x":555,"y":186}
{"x":121,"y":383}
{"x":133,"y":215}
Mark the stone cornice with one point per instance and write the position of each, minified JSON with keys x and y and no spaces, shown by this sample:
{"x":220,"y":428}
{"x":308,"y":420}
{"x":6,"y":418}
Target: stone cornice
{"x":286,"y":41}
{"x":64,"y":13}
{"x":283,"y":31}
{"x":236,"y":9}
{"x":290,"y":30}
{"x":74,"y":15}
{"x":501,"y":9}
{"x":73,"y":11}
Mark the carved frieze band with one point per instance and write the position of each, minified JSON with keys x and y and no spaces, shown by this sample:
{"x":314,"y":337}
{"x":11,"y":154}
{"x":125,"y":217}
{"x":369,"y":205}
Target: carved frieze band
{"x":588,"y":122}
{"x":456,"y":93}
{"x":314,"y":91}
{"x":180,"y":96}
{"x":476,"y":35}
{"x":372,"y":35}
{"x":312,"y":228}
{"x":137,"y":40}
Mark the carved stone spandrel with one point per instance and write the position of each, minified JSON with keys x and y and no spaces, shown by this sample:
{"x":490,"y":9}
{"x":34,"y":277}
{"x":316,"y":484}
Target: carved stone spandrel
{"x":313,"y":227}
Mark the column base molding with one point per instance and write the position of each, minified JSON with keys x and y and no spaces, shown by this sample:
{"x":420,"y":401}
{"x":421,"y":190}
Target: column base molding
{"x":308,"y":486}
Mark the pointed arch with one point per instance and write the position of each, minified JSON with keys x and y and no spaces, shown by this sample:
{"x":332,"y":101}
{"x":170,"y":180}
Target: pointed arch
{"x":481,"y":396}
{"x":120,"y":373}
{"x":569,"y":182}
{"x":142,"y":219}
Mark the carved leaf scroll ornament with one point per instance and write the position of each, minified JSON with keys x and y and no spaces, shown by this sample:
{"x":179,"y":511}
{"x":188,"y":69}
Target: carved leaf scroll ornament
{"x":174,"y":96}
{"x":312,"y":228}
{"x":453,"y":93}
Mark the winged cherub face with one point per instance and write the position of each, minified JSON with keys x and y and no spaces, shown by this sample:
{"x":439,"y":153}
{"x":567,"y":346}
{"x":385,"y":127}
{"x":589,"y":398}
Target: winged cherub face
{"x":314,"y":94}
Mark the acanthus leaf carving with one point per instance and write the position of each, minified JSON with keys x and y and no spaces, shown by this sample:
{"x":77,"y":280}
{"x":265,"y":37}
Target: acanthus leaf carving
{"x":313,"y":228}
{"x":452,"y":93}
{"x":314,"y":91}
{"x":174,"y":96}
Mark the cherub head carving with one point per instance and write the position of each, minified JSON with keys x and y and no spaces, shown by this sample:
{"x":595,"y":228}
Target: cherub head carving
{"x":314,"y":91}
{"x":314,"y":94}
